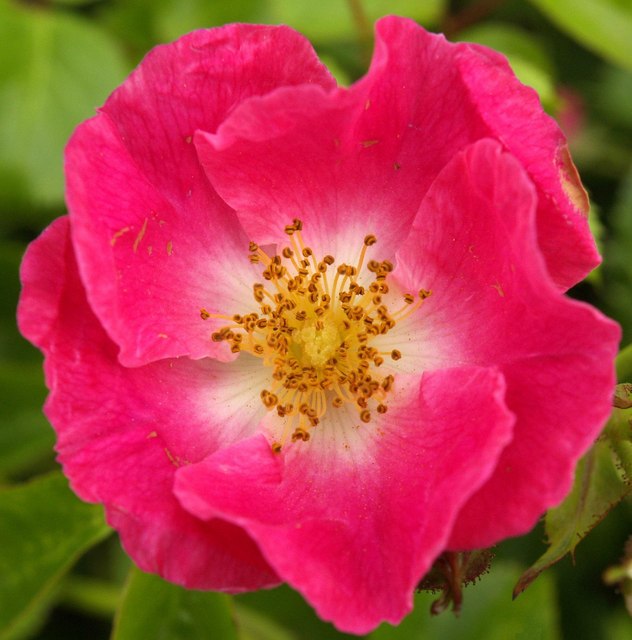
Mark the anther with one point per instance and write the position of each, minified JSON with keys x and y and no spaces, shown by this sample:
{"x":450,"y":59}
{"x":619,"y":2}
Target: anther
{"x":315,"y":335}
{"x":258,"y":292}
{"x":300,"y":434}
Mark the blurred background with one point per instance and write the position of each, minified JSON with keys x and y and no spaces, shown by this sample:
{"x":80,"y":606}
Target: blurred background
{"x":59,"y":59}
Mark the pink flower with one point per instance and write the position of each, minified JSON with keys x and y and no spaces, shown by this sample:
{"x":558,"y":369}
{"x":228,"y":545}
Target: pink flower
{"x":390,"y":369}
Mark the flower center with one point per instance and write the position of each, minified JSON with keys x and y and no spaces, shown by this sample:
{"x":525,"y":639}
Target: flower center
{"x":314,"y":329}
{"x":316,"y":343}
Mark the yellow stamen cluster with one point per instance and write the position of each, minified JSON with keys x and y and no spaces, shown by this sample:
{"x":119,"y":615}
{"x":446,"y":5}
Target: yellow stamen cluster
{"x":313,"y":326}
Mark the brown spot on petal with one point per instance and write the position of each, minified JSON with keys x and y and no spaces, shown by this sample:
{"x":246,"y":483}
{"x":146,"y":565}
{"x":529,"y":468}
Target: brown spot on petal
{"x":140,"y":236}
{"x":499,"y":289}
{"x":173,"y":459}
{"x":118,"y":234}
{"x":571,"y":182}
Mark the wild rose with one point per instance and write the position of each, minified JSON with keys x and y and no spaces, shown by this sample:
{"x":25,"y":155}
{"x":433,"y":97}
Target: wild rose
{"x":305,"y":334}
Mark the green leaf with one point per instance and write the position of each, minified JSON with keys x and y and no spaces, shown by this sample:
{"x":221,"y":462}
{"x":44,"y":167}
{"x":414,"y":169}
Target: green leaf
{"x":55,"y":69}
{"x":27,"y":626}
{"x":133,"y":24}
{"x":624,"y":364}
{"x":74,"y":3}
{"x":45,"y":529}
{"x":289,"y":610}
{"x":617,"y":268}
{"x":618,"y":625}
{"x":604,"y":26}
{"x":331,"y":20}
{"x":510,"y":40}
{"x":26,"y":438}
{"x":153,"y":608}
{"x":12,"y":345}
{"x":487,"y":612}
{"x":255,"y":626}
{"x":610,"y":97}
{"x":600,"y":483}
{"x":90,"y":596}
{"x":177,"y":17}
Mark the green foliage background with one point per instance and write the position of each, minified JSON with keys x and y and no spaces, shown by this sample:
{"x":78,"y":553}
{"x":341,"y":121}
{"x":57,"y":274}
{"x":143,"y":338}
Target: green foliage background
{"x":62,"y":572}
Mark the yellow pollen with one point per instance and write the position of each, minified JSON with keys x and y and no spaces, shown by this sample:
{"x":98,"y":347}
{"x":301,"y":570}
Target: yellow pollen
{"x":315,"y":334}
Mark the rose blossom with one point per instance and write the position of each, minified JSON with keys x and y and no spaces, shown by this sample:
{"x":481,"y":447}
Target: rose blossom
{"x":305,"y":334}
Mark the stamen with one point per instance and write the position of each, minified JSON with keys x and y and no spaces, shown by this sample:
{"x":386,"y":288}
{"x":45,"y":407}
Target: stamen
{"x":316,"y":338}
{"x":409,"y":307}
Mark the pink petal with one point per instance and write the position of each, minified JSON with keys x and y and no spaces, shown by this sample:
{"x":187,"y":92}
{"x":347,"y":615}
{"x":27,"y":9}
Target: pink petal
{"x":513,"y":115}
{"x":317,"y":156}
{"x":42,"y":289}
{"x":151,"y":266}
{"x":350,"y":162}
{"x":355,"y":529}
{"x":123,"y":433}
{"x":468,"y":92}
{"x":493,"y":303}
{"x":360,"y":161}
{"x":154,"y":242}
